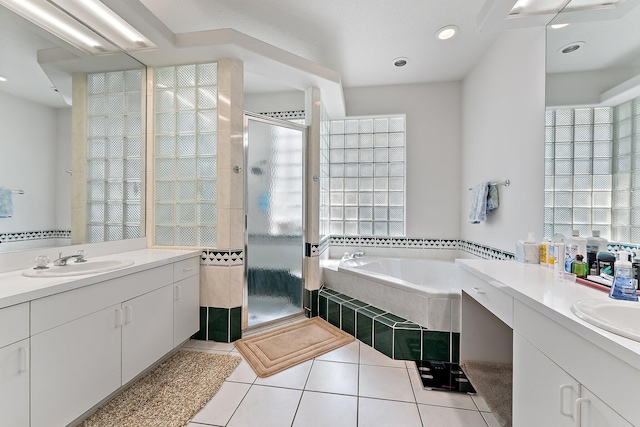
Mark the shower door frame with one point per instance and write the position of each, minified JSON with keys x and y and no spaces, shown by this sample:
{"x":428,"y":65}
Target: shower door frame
{"x":248,"y":115}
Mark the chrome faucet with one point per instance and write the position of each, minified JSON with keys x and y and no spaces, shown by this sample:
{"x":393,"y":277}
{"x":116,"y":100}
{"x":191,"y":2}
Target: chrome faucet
{"x":357,"y":255}
{"x":62,"y":260}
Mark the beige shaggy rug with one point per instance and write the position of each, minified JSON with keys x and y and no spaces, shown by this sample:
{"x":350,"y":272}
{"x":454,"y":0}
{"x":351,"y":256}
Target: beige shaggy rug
{"x":494,"y":382}
{"x":169,"y":395}
{"x":276,"y":350}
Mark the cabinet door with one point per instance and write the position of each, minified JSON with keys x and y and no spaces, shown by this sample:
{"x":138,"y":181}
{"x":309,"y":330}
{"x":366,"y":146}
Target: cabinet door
{"x":147,"y":330}
{"x":74,"y":366}
{"x":14,"y":384}
{"x":595,"y":413}
{"x":186,"y":309}
{"x":543,"y":393}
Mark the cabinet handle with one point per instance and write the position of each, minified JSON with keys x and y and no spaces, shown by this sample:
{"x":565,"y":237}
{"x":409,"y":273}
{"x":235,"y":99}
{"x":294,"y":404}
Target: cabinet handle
{"x":24,"y":359}
{"x":478,"y":290}
{"x":578,"y":404}
{"x":187,"y":269}
{"x":562,"y":389}
{"x":178,"y":292}
{"x":128,"y":314}
{"x":118,"y":318}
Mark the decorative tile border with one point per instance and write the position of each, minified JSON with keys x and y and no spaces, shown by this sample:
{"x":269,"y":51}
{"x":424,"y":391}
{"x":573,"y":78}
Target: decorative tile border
{"x":222,"y":258}
{"x":482,"y":251}
{"x":22,"y":236}
{"x":286,"y":115}
{"x":311,"y":249}
{"x":392,"y":335}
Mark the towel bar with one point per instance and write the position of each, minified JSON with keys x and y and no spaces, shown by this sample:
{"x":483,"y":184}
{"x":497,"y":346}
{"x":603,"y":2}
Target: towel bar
{"x":506,"y":183}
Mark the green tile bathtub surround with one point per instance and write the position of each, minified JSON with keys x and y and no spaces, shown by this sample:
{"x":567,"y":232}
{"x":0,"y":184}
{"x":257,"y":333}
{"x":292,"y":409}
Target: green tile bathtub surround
{"x":310,"y":302}
{"x":455,"y":347}
{"x":202,"y":333}
{"x":333,"y":312}
{"x":435,"y":345}
{"x":407,"y":344}
{"x":375,"y":310}
{"x":235,"y":324}
{"x":364,"y":326}
{"x":394,"y":317}
{"x":218,"y":324}
{"x":322,"y":307}
{"x":314,"y":303}
{"x":349,"y":319}
{"x":383,"y":336}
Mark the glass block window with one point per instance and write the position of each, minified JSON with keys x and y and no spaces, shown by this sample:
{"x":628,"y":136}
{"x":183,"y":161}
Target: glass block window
{"x":185,"y":155}
{"x":367,"y":176}
{"x":592,"y":171}
{"x":115,"y":148}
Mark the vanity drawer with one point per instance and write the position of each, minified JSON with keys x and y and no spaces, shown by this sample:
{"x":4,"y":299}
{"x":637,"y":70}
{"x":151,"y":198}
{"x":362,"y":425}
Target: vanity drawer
{"x":15,"y":323}
{"x":55,"y":310}
{"x":492,"y":298}
{"x":186,"y":268}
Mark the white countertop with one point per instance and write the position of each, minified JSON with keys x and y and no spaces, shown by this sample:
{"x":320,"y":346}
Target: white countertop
{"x":16,"y":288}
{"x":538,"y":287}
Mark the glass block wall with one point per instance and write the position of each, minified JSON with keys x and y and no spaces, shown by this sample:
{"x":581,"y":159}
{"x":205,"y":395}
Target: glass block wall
{"x":367,"y":158}
{"x":114,"y":155}
{"x":626,"y":167}
{"x":185,"y":155}
{"x":325,"y":128}
{"x":592,"y":173}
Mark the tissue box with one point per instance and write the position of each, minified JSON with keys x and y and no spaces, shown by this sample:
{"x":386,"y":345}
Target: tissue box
{"x":528,"y":253}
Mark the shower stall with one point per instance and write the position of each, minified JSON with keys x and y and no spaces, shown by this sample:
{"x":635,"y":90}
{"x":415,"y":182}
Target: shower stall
{"x":274,"y":213}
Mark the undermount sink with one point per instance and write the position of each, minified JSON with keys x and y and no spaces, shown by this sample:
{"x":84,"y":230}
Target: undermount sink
{"x":620,"y":317}
{"x":79,"y":268}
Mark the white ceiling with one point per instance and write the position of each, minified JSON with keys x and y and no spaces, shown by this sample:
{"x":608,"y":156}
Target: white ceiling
{"x":358,"y":39}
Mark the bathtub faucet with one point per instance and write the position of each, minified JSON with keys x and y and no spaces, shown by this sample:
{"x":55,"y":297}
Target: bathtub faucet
{"x":354,"y":255}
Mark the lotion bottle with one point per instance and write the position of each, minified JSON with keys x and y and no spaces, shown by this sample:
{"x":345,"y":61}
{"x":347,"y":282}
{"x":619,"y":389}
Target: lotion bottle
{"x":623,"y":287}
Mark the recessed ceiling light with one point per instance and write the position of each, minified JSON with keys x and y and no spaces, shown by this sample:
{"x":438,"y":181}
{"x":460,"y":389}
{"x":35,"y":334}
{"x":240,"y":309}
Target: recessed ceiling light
{"x":447,"y":32}
{"x":558,"y":26}
{"x":3,"y":79}
{"x":400,"y":62}
{"x":571,"y":47}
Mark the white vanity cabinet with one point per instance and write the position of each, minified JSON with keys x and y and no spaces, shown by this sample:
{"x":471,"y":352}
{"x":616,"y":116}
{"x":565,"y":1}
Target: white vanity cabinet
{"x":88,"y":342}
{"x":186,"y":304}
{"x":14,"y":365}
{"x":561,"y":379}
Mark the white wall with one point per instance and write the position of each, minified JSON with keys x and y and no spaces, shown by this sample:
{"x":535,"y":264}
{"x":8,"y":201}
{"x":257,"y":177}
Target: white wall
{"x":270,"y":102}
{"x":432,"y":149}
{"x":584,"y":88}
{"x":503,"y":103}
{"x":27,"y":162}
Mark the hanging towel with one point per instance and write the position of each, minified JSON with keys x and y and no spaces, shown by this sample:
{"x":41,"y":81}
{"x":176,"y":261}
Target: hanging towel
{"x":479,"y":203}
{"x":492,"y":198}
{"x":6,"y":203}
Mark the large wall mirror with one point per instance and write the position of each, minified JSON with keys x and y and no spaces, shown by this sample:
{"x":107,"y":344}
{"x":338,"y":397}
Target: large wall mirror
{"x":592,"y":147}
{"x":72,"y":146}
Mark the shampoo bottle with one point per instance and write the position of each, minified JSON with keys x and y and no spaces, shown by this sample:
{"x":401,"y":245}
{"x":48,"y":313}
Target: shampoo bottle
{"x":545,"y":251}
{"x":595,"y":244}
{"x":574,"y":245}
{"x":623,"y":287}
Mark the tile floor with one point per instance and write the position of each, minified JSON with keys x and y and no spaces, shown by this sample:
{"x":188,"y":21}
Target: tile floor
{"x":353,"y":386}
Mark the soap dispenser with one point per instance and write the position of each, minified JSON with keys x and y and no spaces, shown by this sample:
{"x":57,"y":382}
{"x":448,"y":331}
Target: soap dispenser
{"x":623,"y":287}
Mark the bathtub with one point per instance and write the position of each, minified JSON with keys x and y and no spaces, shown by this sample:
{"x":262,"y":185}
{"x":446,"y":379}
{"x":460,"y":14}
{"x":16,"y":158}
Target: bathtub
{"x":425,"y":291}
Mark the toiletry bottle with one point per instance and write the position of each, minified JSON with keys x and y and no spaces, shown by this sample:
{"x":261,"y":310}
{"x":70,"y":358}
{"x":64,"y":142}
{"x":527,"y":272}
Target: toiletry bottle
{"x":623,"y":287}
{"x":595,"y":244}
{"x":579,"y":267}
{"x":574,"y":245}
{"x":558,"y":257}
{"x":544,"y":251}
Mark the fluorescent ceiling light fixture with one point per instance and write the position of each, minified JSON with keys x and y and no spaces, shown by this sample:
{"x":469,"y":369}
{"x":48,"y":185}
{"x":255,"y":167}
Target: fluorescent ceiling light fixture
{"x":541,"y":7}
{"x":106,"y":22}
{"x":3,"y":79}
{"x":447,"y":32}
{"x":558,"y":26}
{"x":55,"y":21}
{"x":537,"y":7}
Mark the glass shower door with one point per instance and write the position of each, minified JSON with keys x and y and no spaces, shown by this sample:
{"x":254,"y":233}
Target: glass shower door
{"x":275,"y":227}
